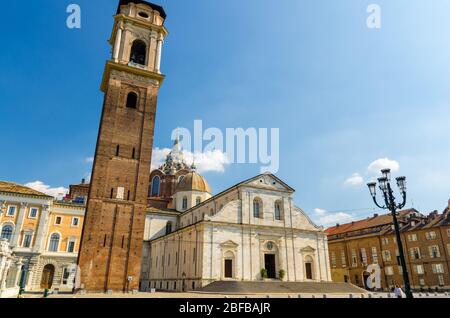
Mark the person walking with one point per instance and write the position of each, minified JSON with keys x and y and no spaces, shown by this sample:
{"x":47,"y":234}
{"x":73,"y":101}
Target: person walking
{"x":398,"y":292}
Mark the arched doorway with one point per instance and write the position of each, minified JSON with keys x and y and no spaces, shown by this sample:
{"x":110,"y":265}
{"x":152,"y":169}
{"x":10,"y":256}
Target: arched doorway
{"x":47,"y":276}
{"x":309,"y":268}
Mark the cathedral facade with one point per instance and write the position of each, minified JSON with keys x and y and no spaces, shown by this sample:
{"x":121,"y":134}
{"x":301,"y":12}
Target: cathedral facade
{"x":249,"y":232}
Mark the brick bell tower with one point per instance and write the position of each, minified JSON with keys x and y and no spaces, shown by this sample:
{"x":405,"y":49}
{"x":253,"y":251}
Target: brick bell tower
{"x":111,"y":245}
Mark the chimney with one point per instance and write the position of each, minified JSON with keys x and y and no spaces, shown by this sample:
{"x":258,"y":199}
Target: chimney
{"x":83,"y":181}
{"x":375,"y":215}
{"x":337,"y":224}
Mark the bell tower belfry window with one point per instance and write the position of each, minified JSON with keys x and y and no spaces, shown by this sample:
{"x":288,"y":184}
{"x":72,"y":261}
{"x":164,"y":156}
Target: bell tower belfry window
{"x":111,"y":245}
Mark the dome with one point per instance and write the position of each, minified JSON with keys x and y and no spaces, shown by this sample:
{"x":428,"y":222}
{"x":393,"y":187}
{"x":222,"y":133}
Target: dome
{"x":193,"y":182}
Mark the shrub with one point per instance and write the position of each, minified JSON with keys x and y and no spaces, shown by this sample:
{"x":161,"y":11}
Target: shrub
{"x":263,"y":273}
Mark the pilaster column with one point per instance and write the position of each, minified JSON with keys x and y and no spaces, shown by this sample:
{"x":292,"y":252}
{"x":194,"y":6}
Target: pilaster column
{"x":158,"y":55}
{"x":117,"y":43}
{"x":42,"y":230}
{"x":2,"y":207}
{"x":19,"y":223}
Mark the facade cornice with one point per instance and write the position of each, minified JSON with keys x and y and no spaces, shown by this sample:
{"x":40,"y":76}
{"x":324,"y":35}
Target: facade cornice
{"x":111,"y":65}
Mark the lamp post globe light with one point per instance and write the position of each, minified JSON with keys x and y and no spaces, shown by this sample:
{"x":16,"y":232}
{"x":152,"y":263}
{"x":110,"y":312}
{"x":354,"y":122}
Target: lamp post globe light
{"x":384,"y":184}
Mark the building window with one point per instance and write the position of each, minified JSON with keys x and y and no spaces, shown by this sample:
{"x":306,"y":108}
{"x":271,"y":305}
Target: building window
{"x":168,"y":228}
{"x":58,"y":220}
{"x":363,"y":256}
{"x":75,"y":222}
{"x":422,"y":282}
{"x":412,"y":237}
{"x":132,"y":99}
{"x":434,"y":251}
{"x":11,"y":210}
{"x":430,"y":235}
{"x":198,"y":200}
{"x":441,"y":280}
{"x":374,"y":255}
{"x":354,"y":259}
{"x":66,"y":275}
{"x":54,"y":243}
{"x":180,"y":179}
{"x":71,"y":246}
{"x":448,"y":232}
{"x":419,"y":269}
{"x":278,"y":211}
{"x":343,"y":259}
{"x":138,"y":52}
{"x":7,"y":232}
{"x":384,"y":241}
{"x":156,"y":182}
{"x":27,"y":237}
{"x":415,"y":252}
{"x":448,"y":248}
{"x":437,"y":268}
{"x":185,"y":203}
{"x":387,"y":256}
{"x":389,"y":270}
{"x":33,"y":213}
{"x":400,"y":270}
{"x":333,"y":259}
{"x":257,"y":208}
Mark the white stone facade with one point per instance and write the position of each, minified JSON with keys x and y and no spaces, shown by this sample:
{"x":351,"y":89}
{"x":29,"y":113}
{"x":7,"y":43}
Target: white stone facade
{"x":224,"y":239}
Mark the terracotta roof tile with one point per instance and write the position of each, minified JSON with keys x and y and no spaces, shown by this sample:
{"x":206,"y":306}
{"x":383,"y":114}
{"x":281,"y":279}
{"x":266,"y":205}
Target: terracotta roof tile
{"x":364,"y":224}
{"x":11,"y":187}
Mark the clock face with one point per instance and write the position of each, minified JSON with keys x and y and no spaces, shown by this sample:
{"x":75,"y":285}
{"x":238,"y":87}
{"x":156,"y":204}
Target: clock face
{"x":270,"y":246}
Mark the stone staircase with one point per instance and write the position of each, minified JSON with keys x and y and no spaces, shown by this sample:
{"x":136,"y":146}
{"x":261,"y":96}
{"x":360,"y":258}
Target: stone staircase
{"x":239,"y":287}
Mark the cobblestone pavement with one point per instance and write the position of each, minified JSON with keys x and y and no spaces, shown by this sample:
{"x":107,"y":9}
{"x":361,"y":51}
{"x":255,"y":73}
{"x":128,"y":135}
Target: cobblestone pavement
{"x":259,"y":296}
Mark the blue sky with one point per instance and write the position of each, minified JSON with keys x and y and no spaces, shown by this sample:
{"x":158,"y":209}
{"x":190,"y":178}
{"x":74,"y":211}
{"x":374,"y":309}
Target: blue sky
{"x":343,"y":95}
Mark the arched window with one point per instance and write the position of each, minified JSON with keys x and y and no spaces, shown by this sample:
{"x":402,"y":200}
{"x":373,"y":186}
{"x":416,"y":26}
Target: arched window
{"x":180,"y":179}
{"x":257,"y":208}
{"x":198,"y":201}
{"x":156,"y":182}
{"x":7,"y":232}
{"x":132,"y":99}
{"x":168,"y":228}
{"x":278,"y":211}
{"x":185,"y":203}
{"x":54,"y":243}
{"x":138,"y":52}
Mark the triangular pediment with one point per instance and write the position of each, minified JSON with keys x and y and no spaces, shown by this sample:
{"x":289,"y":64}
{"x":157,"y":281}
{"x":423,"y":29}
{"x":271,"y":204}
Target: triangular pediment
{"x":307,"y":249}
{"x":268,"y":181}
{"x":229,"y":244}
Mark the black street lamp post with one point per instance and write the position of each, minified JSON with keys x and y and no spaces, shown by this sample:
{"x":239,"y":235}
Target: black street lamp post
{"x":389,"y":204}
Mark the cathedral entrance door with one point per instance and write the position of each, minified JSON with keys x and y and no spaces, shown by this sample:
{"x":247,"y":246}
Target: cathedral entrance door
{"x":270,"y":266}
{"x":228,"y":268}
{"x":47,"y":276}
{"x":308,"y":267}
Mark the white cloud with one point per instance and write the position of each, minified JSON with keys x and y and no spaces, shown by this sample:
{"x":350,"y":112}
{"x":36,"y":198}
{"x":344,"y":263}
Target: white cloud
{"x":58,"y":192}
{"x":158,"y":157}
{"x":334,"y":218}
{"x":384,"y":163}
{"x":324,"y":218}
{"x":319,"y":211}
{"x":355,"y":180}
{"x":205,"y":162}
{"x":89,"y":160}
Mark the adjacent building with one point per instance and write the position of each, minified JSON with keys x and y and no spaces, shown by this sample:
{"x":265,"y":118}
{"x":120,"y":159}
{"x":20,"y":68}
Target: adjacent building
{"x":40,"y":238}
{"x":426,"y":243}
